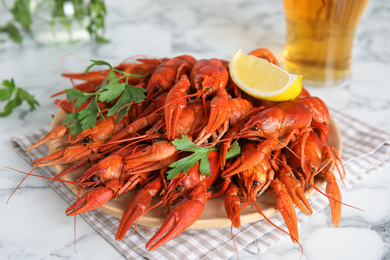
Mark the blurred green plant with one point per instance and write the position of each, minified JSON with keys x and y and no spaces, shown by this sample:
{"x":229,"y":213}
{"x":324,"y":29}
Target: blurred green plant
{"x":22,"y":20}
{"x":15,"y":96}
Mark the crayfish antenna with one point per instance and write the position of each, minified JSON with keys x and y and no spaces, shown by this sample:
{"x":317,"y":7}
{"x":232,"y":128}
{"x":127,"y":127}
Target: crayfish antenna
{"x":31,"y":174}
{"x":234,"y":241}
{"x":20,"y":183}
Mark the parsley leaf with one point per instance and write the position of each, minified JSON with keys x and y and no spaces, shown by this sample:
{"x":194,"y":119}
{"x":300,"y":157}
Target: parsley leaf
{"x":131,"y":94}
{"x":19,"y":95}
{"x":88,"y":115}
{"x":118,"y":95}
{"x":74,"y":94}
{"x":74,"y":124}
{"x":234,"y":151}
{"x":184,"y":164}
{"x":112,"y":92}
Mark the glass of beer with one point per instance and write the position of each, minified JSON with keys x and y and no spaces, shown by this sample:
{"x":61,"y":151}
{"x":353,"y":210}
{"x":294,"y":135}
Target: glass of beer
{"x":319,"y":39}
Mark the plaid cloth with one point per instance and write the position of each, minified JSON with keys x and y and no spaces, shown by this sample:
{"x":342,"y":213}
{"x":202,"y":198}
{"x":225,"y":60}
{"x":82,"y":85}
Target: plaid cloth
{"x":365,"y":150}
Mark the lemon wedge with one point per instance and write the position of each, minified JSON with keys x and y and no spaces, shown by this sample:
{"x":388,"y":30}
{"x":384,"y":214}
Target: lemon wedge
{"x":262,"y":79}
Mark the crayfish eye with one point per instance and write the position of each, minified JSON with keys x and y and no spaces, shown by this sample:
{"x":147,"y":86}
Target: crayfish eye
{"x":255,"y":127}
{"x":87,"y":139}
{"x":313,"y":169}
{"x":95,"y":178}
{"x":299,"y":168}
{"x":155,"y":89}
{"x":255,"y":183}
{"x":179,"y":188}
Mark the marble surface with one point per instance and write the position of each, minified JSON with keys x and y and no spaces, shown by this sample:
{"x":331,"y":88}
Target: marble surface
{"x":33,"y":224}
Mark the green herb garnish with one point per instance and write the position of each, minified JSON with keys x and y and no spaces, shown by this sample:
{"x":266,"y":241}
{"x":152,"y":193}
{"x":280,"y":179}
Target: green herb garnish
{"x":15,"y":96}
{"x":107,"y":92}
{"x":184,"y":164}
{"x":234,"y":151}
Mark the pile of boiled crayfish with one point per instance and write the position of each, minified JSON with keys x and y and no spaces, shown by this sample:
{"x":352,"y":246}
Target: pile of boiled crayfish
{"x":284,"y":146}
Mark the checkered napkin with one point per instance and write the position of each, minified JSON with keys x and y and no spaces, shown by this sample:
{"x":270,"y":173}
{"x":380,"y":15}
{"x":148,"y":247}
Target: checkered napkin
{"x":365,"y":150}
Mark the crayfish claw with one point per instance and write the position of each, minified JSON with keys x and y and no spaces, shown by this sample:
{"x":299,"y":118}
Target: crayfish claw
{"x":295,"y":191}
{"x":286,"y":207}
{"x":265,"y":53}
{"x":334,"y":195}
{"x":219,"y":113}
{"x":56,"y":133}
{"x":68,"y":155}
{"x":137,"y":206}
{"x":183,"y":216}
{"x":92,"y":200}
{"x":158,"y":151}
{"x":175,"y":102}
{"x":131,"y":214}
{"x":232,"y":205}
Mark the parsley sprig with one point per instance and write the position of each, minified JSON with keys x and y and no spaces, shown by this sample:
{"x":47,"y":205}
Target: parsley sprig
{"x":199,"y":153}
{"x":15,"y":96}
{"x":184,"y":164}
{"x":112,"y":88}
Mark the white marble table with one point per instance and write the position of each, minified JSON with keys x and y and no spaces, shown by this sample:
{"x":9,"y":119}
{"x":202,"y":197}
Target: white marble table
{"x":33,"y":224}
